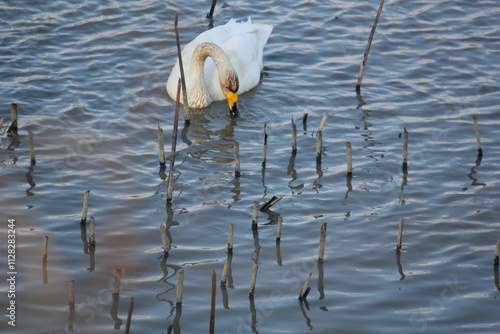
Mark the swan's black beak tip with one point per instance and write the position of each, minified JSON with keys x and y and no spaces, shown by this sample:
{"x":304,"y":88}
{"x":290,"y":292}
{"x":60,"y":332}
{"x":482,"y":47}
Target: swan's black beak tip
{"x":233,"y":111}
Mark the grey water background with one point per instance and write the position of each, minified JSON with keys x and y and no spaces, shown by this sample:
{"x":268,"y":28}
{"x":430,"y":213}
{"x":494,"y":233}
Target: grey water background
{"x":89,"y":78}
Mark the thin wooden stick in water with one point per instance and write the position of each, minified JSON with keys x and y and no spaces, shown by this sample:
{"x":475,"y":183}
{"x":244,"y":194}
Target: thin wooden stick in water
{"x":278,"y":229}
{"x":12,"y":130}
{"x":45,"y":247}
{"x":180,"y":284}
{"x":161,"y":149}
{"x":478,"y":139}
{"x":304,"y":121}
{"x":294,"y":137}
{"x":212,"y":304}
{"x":305,"y":289}
{"x":1,"y":122}
{"x":400,"y":234}
{"x":230,"y":234}
{"x":170,"y":183}
{"x":85,"y":206}
{"x":271,"y":202}
{"x":254,"y":272}
{"x":405,"y":149}
{"x":72,"y":292}
{"x":237,"y":170}
{"x":322,"y":238}
{"x":319,"y":146}
{"x":323,"y":122}
{"x":163,"y":233}
{"x":116,"y":286}
{"x":348,"y":151}
{"x":255,"y":215}
{"x":212,"y":8}
{"x":367,"y":49}
{"x":92,"y":232}
{"x":264,"y":151}
{"x":181,"y":68}
{"x":129,"y":315}
{"x":32,"y":147}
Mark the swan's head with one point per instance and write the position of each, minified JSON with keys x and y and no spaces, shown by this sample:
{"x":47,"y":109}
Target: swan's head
{"x":230,"y":87}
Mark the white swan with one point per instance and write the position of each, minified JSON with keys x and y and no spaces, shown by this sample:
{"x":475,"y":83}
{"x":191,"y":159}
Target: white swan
{"x":221,"y":63}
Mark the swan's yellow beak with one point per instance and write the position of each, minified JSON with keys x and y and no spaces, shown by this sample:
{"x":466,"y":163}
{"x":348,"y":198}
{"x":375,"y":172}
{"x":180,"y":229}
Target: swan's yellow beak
{"x":232,"y":101}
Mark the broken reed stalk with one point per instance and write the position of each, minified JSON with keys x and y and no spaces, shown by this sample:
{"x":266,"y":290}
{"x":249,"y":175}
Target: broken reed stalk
{"x":85,"y":206}
{"x":294,"y":137}
{"x":170,"y":183}
{"x":210,"y":14}
{"x":163,"y":232}
{"x":367,"y":49}
{"x":405,"y":149}
{"x":45,"y":248}
{"x":254,"y":273}
{"x":116,"y":286}
{"x":348,"y":152}
{"x":181,"y":68}
{"x":319,"y":138}
{"x":264,"y":151}
{"x":478,"y":139}
{"x":161,"y":148}
{"x":212,"y":304}
{"x":319,"y":144}
{"x":255,"y":215}
{"x":32,"y":147}
{"x":400,"y":234}
{"x":1,"y":122}
{"x":92,"y":232}
{"x":129,"y":315}
{"x":322,"y":238}
{"x":323,"y":122}
{"x":230,"y":234}
{"x":72,"y":293}
{"x":305,"y":288}
{"x":12,"y":130}
{"x":271,"y":202}
{"x":180,"y":284}
{"x":278,"y":229}
{"x":237,"y":170}
{"x":304,"y":121}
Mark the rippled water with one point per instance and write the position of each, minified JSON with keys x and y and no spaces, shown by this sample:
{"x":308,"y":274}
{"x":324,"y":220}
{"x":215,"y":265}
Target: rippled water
{"x":89,"y":79}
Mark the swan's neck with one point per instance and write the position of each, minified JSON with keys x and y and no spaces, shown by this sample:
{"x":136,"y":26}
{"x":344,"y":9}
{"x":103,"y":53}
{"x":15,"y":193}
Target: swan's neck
{"x":199,"y":96}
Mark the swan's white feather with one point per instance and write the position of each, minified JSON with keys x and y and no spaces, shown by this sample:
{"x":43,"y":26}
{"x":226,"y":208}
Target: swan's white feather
{"x":243,"y":42}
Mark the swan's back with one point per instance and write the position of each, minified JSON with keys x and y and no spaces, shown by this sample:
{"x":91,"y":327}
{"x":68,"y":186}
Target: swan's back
{"x":243,"y":42}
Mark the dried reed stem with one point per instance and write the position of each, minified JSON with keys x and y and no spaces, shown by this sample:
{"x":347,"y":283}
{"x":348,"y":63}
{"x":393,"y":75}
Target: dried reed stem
{"x":92,"y":232}
{"x":163,"y":232}
{"x":161,"y":149}
{"x":255,"y":215}
{"x":305,"y":289}
{"x":322,"y":238}
{"x":367,"y":49}
{"x":230,"y":234}
{"x":348,"y":151}
{"x":170,"y":183}
{"x":210,"y":14}
{"x":405,"y":149}
{"x":212,"y":304}
{"x":237,"y":170}
{"x":181,"y":67}
{"x":294,"y":137}
{"x":32,"y":147}
{"x":478,"y":139}
{"x":116,"y":286}
{"x":129,"y":315}
{"x":45,"y":248}
{"x":254,"y":272}
{"x":85,"y":206}
{"x":12,"y":130}
{"x":400,"y":234}
{"x":264,"y":151}
{"x":278,"y":229}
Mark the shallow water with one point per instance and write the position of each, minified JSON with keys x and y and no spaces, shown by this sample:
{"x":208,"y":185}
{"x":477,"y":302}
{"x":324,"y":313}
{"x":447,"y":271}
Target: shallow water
{"x":89,"y":79}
